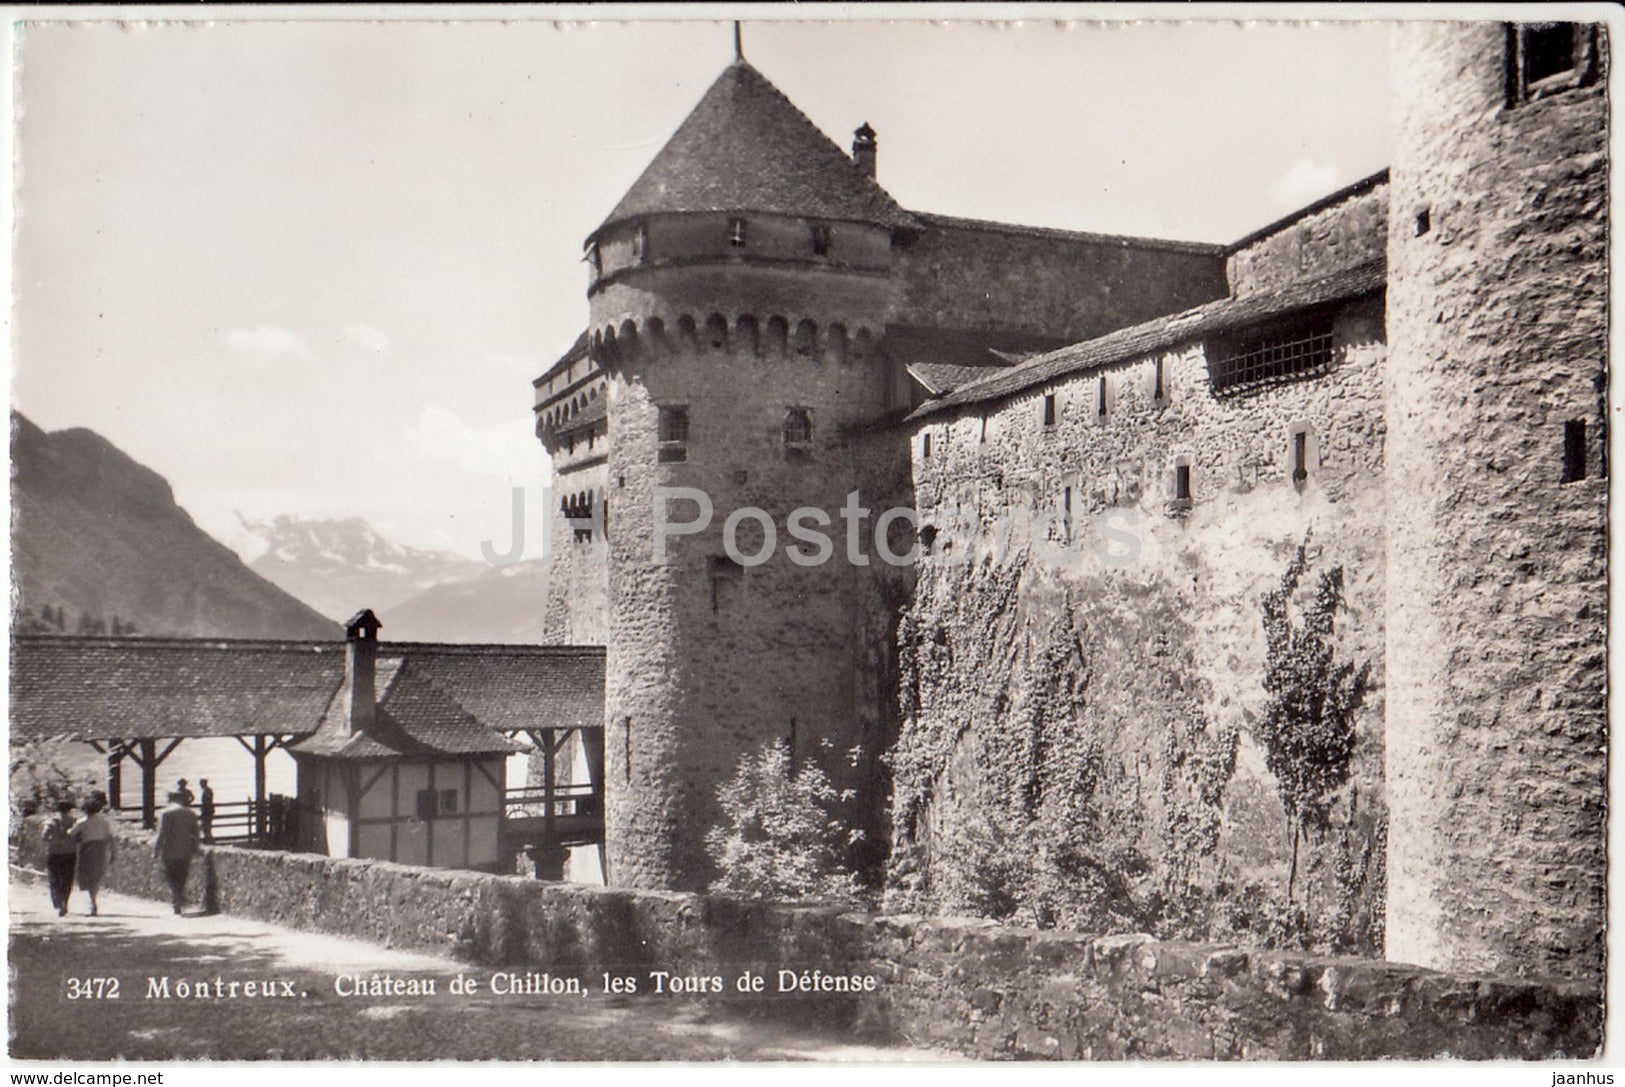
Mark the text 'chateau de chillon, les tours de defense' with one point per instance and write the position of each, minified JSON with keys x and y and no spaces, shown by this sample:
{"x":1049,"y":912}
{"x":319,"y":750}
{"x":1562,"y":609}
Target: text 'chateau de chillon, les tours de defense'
{"x":1409,"y":373}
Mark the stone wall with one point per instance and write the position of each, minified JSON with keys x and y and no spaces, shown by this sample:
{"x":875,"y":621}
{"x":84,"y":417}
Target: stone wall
{"x":1498,"y":323}
{"x":962,"y":273}
{"x":1346,"y":229}
{"x":578,"y":580}
{"x":976,"y":988}
{"x":1157,"y":608}
{"x":709,"y":659}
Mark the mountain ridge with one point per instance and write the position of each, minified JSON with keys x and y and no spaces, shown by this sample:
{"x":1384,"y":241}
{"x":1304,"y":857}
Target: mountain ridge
{"x":98,"y":538}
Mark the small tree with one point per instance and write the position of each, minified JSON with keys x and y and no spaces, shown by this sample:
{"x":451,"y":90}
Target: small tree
{"x":781,"y":836}
{"x":1307,"y":726}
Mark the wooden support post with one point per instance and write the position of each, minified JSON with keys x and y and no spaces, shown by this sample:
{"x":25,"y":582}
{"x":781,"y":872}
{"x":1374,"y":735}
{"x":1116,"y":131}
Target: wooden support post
{"x":549,"y":768}
{"x":148,"y":761}
{"x":262,"y":825}
{"x":115,"y":775}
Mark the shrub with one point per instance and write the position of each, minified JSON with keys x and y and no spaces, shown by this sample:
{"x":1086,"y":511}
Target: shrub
{"x":40,"y":778}
{"x":781,"y":835}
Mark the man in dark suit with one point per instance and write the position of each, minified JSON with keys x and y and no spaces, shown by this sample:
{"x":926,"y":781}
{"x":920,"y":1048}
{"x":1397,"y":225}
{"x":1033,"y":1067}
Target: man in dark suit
{"x":175,"y":845}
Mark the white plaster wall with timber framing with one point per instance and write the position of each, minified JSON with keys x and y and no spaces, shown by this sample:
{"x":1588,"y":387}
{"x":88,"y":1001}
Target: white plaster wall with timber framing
{"x":442,"y":814}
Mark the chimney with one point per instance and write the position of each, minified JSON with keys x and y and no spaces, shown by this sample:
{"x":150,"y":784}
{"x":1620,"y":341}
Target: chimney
{"x":863,"y":149}
{"x":360,"y":669}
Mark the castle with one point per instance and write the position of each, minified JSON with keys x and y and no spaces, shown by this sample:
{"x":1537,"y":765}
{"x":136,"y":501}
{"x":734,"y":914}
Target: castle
{"x":1111,"y":447}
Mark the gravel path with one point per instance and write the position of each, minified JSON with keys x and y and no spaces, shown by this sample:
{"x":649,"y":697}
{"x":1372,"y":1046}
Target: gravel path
{"x":59,"y":1011}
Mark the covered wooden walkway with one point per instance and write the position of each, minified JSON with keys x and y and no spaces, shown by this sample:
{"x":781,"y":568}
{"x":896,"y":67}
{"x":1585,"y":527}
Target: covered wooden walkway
{"x":137,"y":699}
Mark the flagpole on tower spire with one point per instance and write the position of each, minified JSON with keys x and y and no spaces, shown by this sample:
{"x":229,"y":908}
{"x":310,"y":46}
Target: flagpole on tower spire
{"x":739,"y":46}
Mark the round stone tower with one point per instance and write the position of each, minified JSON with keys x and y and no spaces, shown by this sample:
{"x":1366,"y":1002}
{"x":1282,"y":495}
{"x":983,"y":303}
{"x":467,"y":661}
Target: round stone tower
{"x":739,"y":293}
{"x":1496,"y":497}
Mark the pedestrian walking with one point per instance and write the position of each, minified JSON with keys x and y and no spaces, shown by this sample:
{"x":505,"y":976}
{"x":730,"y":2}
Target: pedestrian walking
{"x":61,"y":856}
{"x":176,"y":843}
{"x":94,"y":833}
{"x":205,"y":811}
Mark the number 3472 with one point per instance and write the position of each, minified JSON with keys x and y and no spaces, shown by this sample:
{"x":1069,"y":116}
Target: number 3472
{"x":92,"y":988}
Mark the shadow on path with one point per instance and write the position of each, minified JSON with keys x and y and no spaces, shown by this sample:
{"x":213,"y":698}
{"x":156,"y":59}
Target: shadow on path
{"x":155,"y":957}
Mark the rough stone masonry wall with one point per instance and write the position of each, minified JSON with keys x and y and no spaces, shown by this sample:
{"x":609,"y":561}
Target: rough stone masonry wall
{"x":978,"y":989}
{"x":708,"y":662}
{"x":578,"y":581}
{"x":1345,"y":234}
{"x":1181,"y":619}
{"x":1498,"y":322}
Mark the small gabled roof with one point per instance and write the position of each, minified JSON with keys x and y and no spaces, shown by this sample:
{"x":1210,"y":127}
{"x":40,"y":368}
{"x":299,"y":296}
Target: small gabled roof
{"x":414,"y":718}
{"x":747,"y":148}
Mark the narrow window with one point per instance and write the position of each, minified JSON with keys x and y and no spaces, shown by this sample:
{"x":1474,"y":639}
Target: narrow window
{"x":1179,"y":503}
{"x":428,"y":806}
{"x":1100,"y":400}
{"x":1424,"y":221}
{"x":726,"y":575}
{"x":448,"y":801}
{"x":820,"y":240}
{"x":736,"y":233}
{"x":626,"y":749}
{"x":1300,"y":456}
{"x":925,"y":446}
{"x":1574,"y":451}
{"x":797,"y":426}
{"x":1066,"y":514}
{"x":1159,"y":389}
{"x":673,"y":434}
{"x":640,"y":244}
{"x":1049,"y":409}
{"x":595,"y":263}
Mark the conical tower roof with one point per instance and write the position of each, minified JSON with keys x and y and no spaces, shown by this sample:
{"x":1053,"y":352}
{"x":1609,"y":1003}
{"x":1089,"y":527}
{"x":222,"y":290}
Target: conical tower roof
{"x":747,"y":148}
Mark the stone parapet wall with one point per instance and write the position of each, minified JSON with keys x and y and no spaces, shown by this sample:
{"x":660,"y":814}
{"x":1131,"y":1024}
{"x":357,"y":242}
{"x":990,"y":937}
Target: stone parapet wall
{"x":981,"y":989}
{"x":1343,"y":233}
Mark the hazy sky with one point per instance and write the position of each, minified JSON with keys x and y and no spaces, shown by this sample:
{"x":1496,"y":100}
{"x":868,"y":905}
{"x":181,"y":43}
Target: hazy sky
{"x":311,"y":268}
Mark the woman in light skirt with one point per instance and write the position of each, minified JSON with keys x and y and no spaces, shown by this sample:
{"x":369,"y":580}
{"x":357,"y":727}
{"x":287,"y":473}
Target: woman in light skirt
{"x":94,"y":832}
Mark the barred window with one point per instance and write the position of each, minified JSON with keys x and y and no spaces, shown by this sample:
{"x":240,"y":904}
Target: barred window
{"x":1257,"y":359}
{"x":797,"y":426}
{"x":673,"y":434}
{"x":674,"y":424}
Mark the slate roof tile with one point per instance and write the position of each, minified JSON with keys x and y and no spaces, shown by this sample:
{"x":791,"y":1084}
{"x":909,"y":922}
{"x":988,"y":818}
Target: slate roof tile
{"x":152,"y":688}
{"x":746,"y":147}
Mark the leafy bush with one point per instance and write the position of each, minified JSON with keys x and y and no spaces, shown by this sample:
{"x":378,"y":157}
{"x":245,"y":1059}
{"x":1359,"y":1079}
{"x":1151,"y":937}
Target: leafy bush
{"x":39,"y":778}
{"x":781,"y":834}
